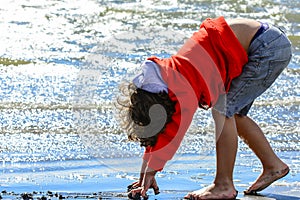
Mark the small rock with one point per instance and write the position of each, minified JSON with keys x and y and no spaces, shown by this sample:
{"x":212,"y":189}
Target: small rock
{"x":44,"y":198}
{"x":26,"y":196}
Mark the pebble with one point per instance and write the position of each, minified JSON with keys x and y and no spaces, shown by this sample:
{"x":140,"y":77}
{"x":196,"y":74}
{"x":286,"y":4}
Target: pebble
{"x":49,"y":195}
{"x":27,"y":196}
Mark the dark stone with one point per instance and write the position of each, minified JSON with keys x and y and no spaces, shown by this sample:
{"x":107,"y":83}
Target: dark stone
{"x":26,"y":196}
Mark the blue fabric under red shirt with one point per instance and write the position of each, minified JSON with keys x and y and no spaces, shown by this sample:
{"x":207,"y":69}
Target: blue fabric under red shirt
{"x":201,"y":70}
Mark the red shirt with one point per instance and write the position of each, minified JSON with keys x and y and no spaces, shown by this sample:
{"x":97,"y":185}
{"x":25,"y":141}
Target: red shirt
{"x":201,"y":71}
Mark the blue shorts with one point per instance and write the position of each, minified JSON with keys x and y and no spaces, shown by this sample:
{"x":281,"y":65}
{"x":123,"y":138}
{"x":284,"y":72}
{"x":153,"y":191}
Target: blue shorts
{"x":268,"y":55}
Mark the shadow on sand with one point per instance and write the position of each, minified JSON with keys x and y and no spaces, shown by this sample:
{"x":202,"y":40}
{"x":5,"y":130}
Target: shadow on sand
{"x":268,"y":197}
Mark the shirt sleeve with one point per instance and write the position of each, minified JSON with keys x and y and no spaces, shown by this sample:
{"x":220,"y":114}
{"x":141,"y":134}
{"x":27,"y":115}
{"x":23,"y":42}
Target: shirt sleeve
{"x":182,"y":93}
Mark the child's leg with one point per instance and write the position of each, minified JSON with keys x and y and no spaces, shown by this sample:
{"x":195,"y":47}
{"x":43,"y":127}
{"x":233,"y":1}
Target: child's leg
{"x":226,"y":147}
{"x":273,"y":167}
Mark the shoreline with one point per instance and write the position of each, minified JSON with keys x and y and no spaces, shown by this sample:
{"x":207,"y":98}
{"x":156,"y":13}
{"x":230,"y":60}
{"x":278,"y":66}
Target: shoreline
{"x":270,"y":194}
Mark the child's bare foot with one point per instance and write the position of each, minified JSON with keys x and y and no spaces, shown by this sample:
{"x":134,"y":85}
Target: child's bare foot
{"x":212,"y":192}
{"x":266,"y":179}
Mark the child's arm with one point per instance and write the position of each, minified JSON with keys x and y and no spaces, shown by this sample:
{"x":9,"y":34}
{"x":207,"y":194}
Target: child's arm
{"x":169,"y":140}
{"x":142,"y":173}
{"x":186,"y":94}
{"x":156,"y":157}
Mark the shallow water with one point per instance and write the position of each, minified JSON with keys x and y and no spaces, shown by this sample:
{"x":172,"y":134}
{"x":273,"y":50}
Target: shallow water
{"x":61,"y":62}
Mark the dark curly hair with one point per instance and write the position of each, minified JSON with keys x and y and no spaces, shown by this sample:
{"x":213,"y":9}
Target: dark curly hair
{"x":143,"y":114}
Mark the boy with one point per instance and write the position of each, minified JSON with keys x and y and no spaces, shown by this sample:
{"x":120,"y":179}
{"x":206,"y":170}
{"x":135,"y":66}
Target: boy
{"x":225,"y":66}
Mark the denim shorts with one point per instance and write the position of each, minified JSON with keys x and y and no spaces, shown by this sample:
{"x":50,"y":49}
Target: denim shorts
{"x":268,"y":55}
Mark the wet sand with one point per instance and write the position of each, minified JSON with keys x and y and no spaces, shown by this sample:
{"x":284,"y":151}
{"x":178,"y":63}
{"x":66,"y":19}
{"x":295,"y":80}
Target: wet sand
{"x":114,"y":187}
{"x":89,"y":179}
{"x":168,"y":194}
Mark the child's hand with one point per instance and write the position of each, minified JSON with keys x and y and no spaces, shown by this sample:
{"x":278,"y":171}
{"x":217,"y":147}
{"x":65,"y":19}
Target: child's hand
{"x":133,"y":186}
{"x":148,"y":181}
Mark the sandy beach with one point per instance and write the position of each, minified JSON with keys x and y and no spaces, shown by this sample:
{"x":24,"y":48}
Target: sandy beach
{"x":271,"y":194}
{"x":91,"y":179}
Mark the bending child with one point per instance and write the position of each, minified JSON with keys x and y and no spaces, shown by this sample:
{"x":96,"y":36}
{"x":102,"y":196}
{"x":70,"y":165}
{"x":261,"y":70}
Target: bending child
{"x":224,"y":66}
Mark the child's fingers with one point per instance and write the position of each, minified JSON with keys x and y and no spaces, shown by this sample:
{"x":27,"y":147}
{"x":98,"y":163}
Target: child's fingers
{"x":136,"y":184}
{"x":156,"y":190}
{"x":155,"y":187}
{"x":129,"y":187}
{"x":135,"y":193}
{"x":143,"y":191}
{"x":136,"y":190}
{"x":133,"y":186}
